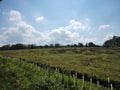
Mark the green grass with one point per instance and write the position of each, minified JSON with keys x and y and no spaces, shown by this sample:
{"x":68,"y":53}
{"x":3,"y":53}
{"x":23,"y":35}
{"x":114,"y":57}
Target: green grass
{"x":101,"y":62}
{"x":16,"y":74}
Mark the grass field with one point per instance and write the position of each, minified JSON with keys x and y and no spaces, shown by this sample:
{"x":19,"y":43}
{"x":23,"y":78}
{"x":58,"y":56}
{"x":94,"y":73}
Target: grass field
{"x":99,"y":62}
{"x":16,"y":74}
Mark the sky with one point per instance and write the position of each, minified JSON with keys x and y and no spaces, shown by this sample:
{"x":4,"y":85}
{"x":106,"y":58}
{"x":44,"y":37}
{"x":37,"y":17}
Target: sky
{"x":44,"y":22}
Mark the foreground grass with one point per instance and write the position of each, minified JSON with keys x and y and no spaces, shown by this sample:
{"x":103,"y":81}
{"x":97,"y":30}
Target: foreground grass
{"x":16,"y":74}
{"x":99,"y":62}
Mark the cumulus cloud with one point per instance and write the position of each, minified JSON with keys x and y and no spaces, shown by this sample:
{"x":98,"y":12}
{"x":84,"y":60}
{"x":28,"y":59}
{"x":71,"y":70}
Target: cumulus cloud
{"x":70,"y":33}
{"x":15,"y":15}
{"x":22,"y":32}
{"x":61,"y":35}
{"x":76,"y":25}
{"x":102,"y":27}
{"x":39,"y":19}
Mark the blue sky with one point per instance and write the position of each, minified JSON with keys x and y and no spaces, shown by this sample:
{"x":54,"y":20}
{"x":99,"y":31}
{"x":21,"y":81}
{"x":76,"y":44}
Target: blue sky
{"x":58,"y":21}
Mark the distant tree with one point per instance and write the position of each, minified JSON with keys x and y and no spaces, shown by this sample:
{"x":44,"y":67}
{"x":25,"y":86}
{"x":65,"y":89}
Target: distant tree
{"x":114,"y":42}
{"x":57,"y":45}
{"x":13,"y":47}
{"x":80,"y":45}
{"x":51,"y":45}
{"x":75,"y":45}
{"x":5,"y":47}
{"x":68,"y":45}
{"x":46,"y":46}
{"x":31,"y":46}
{"x":18,"y":46}
{"x":108,"y":43}
{"x":90,"y":44}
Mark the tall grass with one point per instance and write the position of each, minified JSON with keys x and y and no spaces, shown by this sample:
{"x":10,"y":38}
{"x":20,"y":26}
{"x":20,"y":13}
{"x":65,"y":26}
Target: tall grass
{"x":17,"y":74}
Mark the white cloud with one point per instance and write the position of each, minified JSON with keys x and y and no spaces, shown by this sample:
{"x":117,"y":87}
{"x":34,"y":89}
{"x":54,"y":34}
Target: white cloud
{"x":76,"y":25}
{"x":22,"y":32}
{"x":60,"y":35}
{"x":70,"y":33}
{"x":102,"y":27}
{"x":40,"y":19}
{"x":15,"y":15}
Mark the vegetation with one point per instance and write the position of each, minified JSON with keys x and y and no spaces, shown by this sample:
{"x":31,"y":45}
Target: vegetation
{"x":17,"y":74}
{"x":92,"y":63}
{"x":96,"y":63}
{"x":114,"y":42}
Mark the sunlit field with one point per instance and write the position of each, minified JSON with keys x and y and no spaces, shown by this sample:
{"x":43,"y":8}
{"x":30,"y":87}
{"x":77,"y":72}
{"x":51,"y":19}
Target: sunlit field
{"x":100,"y":63}
{"x":16,"y":74}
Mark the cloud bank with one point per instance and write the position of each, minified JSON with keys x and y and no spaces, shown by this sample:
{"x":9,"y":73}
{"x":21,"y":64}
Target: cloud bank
{"x":22,"y":32}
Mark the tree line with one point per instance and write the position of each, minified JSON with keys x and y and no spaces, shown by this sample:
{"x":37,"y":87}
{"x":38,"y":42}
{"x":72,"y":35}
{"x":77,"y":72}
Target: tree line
{"x":33,"y":46}
{"x":114,"y":42}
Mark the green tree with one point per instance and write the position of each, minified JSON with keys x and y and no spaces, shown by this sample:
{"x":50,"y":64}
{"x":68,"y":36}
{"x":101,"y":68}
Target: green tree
{"x":114,"y":42}
{"x":5,"y":47}
{"x":57,"y":45}
{"x":80,"y":45}
{"x":51,"y":45}
{"x":90,"y":44}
